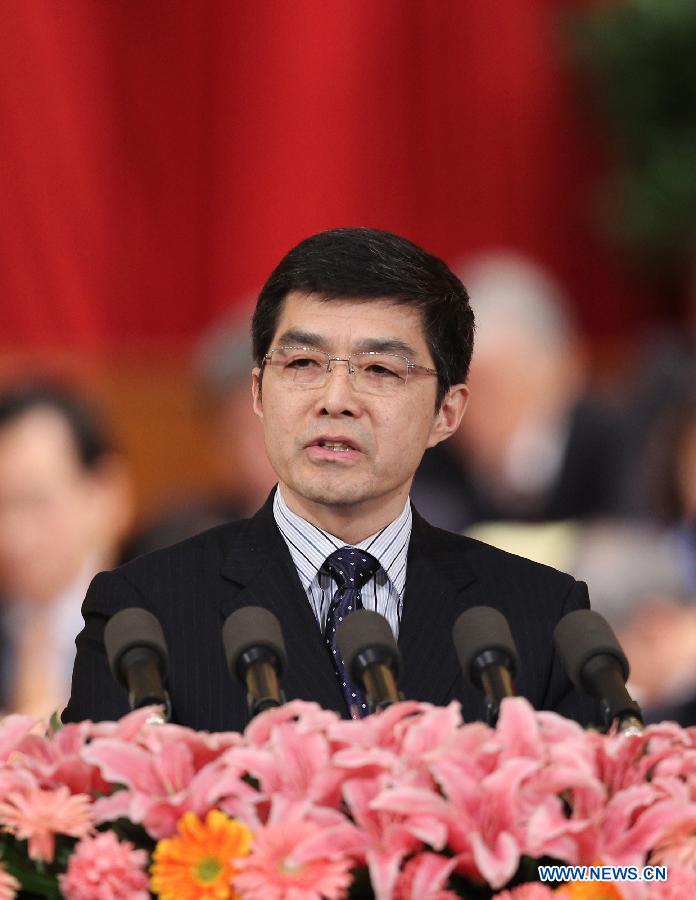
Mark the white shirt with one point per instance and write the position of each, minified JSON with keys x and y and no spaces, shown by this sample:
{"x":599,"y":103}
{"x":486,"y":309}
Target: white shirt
{"x":43,"y":638}
{"x":310,"y":546}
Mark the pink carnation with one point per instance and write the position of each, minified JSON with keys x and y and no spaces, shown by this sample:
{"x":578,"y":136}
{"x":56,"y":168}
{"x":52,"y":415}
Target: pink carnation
{"x":277,"y":869}
{"x":104,"y":868}
{"x":39,"y":815}
{"x":8,"y":885}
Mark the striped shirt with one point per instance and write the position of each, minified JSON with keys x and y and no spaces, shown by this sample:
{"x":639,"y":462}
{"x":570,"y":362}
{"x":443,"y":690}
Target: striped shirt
{"x":310,"y":546}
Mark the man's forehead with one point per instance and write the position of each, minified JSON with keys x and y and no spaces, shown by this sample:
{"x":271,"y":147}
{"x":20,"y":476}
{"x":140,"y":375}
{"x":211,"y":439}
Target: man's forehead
{"x":364,"y":323}
{"x":40,"y":432}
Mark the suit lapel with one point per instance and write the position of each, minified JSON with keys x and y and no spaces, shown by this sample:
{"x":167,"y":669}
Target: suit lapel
{"x":439,"y":585}
{"x":260,"y":572}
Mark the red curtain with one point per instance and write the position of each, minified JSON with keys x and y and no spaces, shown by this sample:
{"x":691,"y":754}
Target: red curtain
{"x":157,"y":158}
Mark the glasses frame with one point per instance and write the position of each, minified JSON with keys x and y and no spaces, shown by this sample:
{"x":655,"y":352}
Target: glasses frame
{"x":348,"y":360}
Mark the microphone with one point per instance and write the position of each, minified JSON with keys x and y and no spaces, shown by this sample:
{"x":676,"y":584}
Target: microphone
{"x":255,"y":654}
{"x":368,"y":649}
{"x":487,"y":655}
{"x":596,"y":664}
{"x":137,"y":654}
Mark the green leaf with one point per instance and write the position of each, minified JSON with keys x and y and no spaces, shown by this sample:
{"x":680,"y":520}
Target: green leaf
{"x":126,"y":830}
{"x":360,"y":888}
{"x":38,"y":879}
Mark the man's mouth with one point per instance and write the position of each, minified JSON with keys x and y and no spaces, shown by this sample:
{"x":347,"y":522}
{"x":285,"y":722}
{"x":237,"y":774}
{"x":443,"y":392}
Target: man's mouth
{"x":339,"y":445}
{"x":336,"y":446}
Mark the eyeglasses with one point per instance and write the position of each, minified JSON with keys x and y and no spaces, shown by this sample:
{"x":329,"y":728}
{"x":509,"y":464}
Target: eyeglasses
{"x":372,"y":371}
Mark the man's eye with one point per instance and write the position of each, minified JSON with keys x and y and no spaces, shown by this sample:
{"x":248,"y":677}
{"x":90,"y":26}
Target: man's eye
{"x":381,"y":371}
{"x":301,"y":362}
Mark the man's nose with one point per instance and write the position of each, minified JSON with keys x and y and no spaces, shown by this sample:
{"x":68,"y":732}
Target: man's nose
{"x":339,"y":394}
{"x":342,"y":363}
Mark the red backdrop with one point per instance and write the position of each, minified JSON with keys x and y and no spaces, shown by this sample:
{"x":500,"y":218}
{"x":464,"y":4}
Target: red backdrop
{"x":159,"y":157}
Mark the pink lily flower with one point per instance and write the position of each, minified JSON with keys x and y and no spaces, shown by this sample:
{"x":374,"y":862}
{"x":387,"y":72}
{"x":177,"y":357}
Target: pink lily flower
{"x":13,"y":728}
{"x":388,"y":840}
{"x":161,"y":780}
{"x":424,"y":877}
{"x":635,"y":821}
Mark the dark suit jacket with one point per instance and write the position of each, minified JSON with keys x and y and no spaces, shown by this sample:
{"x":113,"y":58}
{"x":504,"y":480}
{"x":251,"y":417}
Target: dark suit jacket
{"x":450,"y":494}
{"x":193,"y":586}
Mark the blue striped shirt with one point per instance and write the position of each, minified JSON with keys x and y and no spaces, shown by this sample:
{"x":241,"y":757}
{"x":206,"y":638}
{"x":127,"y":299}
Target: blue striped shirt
{"x":309,"y":547}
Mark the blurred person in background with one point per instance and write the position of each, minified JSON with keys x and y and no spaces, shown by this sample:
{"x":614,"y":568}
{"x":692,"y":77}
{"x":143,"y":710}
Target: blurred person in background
{"x":661,"y":637}
{"x":639,"y":582}
{"x":659,"y":397}
{"x":243,"y":475}
{"x":671,"y":475}
{"x":222,"y":364}
{"x":65,"y":504}
{"x":641,"y":571}
{"x":552,"y":450}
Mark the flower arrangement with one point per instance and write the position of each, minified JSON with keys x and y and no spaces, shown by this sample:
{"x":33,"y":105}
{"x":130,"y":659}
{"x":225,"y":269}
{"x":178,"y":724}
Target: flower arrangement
{"x":409,"y":804}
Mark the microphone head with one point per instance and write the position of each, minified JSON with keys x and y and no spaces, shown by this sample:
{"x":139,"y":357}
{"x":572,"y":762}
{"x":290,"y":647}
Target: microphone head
{"x":482,"y":629}
{"x":132,"y":628}
{"x":584,"y":634}
{"x":367,"y":632}
{"x":249,"y":628}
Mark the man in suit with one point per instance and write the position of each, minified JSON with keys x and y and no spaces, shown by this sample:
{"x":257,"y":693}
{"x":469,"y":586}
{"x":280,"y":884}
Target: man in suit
{"x":553,"y":449}
{"x":362,"y":344}
{"x":65,"y":504}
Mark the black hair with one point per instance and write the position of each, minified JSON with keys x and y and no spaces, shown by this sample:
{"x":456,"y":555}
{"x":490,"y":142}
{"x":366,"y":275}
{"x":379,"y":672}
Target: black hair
{"x":366,"y":264}
{"x":87,"y":430}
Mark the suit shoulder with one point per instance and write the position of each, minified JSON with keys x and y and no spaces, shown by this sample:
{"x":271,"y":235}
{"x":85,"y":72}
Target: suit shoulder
{"x":494,"y":556}
{"x":492,"y":562}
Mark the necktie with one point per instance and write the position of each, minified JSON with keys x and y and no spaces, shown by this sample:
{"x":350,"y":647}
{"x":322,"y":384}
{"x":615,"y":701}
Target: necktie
{"x":351,"y":570}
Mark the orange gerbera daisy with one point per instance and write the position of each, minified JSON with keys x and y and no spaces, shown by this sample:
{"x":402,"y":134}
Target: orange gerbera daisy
{"x":589,"y":890}
{"x":199,"y":863}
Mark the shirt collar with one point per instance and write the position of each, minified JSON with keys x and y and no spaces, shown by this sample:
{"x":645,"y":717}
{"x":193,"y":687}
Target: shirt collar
{"x":310,"y":545}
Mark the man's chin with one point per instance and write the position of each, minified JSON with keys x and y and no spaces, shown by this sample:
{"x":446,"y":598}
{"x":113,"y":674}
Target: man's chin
{"x":336,"y":498}
{"x":332,"y":492}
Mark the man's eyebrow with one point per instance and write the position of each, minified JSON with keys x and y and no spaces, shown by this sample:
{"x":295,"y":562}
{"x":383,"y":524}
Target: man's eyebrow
{"x":298,"y":337}
{"x":386,"y":345}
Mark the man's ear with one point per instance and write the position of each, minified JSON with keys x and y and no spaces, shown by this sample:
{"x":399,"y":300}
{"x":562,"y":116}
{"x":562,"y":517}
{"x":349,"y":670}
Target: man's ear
{"x":450,"y":414}
{"x":256,"y":392}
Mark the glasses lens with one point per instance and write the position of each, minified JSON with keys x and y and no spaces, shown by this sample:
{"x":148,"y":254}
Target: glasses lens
{"x":379,"y":373}
{"x":300,"y":365}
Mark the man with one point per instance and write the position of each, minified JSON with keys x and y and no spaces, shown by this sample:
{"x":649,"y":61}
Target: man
{"x":65,"y":503}
{"x":553,"y":450}
{"x":362,"y":343}
{"x":242,"y":475}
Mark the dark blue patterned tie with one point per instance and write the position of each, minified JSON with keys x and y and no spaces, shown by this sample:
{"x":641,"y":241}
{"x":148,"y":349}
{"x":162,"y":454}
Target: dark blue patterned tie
{"x":351,"y":570}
